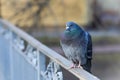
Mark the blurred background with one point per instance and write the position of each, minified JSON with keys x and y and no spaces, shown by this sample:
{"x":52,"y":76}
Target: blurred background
{"x":45,"y":20}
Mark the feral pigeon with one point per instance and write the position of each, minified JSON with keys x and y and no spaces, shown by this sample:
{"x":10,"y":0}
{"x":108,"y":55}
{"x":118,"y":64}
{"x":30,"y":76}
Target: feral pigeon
{"x":77,"y":46}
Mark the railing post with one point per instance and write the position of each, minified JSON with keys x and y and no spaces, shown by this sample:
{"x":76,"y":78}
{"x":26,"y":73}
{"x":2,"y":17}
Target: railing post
{"x":38,"y":67}
{"x":11,"y":55}
{"x":42,"y":64}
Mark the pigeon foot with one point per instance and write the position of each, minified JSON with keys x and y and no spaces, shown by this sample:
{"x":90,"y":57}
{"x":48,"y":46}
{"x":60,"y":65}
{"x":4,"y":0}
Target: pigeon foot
{"x":79,"y":66}
{"x":72,"y":66}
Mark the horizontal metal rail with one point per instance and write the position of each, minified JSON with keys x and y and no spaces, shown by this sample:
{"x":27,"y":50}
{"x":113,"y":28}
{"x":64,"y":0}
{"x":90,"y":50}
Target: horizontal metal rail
{"x":54,"y":56}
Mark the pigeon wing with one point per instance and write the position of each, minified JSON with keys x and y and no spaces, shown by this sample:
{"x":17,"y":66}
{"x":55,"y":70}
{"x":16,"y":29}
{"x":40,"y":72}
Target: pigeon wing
{"x":89,"y":47}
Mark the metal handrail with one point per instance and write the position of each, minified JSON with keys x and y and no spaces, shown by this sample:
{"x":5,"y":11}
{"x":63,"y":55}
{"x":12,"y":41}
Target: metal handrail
{"x":63,"y":62}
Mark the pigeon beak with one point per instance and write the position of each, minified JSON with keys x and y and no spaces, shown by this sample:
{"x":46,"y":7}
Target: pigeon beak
{"x":67,"y":28}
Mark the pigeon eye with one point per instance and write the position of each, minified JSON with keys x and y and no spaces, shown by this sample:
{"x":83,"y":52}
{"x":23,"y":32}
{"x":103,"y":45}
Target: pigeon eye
{"x":71,"y":25}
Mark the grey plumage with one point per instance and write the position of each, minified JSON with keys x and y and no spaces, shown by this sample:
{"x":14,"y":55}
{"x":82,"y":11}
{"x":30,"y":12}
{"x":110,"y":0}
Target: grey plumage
{"x":77,"y":45}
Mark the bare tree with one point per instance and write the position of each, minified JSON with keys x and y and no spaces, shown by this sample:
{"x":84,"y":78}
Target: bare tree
{"x":28,"y":7}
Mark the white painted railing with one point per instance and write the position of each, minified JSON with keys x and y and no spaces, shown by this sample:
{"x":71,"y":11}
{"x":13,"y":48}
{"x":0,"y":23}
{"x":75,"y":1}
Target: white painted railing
{"x":24,"y":58}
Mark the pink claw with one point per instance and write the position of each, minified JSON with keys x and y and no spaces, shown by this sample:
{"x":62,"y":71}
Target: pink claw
{"x":79,"y":66}
{"x":72,"y":66}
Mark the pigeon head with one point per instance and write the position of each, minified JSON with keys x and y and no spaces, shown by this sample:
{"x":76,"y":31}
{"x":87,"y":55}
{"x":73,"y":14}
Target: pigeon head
{"x":72,"y":30}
